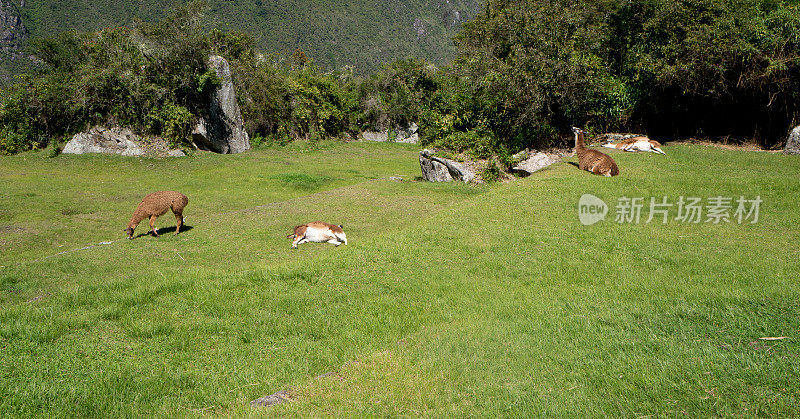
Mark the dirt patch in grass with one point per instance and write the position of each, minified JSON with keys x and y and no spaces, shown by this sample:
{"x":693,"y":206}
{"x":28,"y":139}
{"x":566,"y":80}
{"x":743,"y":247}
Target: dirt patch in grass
{"x":12,"y":229}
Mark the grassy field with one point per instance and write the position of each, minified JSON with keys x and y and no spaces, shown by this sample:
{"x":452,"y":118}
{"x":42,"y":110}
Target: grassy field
{"x":449,"y":299}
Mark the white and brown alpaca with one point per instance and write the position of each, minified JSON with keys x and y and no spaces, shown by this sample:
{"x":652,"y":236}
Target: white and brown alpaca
{"x":637,"y":144}
{"x":318,"y":232}
{"x":593,"y":160}
{"x":155,"y":205}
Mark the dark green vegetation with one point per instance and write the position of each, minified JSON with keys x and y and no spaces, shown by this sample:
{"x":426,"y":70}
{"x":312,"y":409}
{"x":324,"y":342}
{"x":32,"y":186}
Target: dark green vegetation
{"x":361,"y":33}
{"x":525,"y":72}
{"x":444,"y":303}
{"x":152,"y":78}
{"x":674,"y":68}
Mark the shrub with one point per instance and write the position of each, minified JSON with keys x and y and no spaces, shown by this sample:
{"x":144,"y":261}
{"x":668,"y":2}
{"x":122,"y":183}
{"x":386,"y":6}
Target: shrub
{"x":723,"y":67}
{"x":152,"y":78}
{"x":12,"y":142}
{"x":173,"y":122}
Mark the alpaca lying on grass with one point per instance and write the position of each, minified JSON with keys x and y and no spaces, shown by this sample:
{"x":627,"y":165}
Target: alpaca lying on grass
{"x":155,"y":205}
{"x":637,"y":144}
{"x":318,"y":232}
{"x":593,"y":160}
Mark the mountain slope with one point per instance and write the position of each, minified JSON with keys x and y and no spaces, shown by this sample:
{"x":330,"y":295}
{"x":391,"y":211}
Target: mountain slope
{"x":13,"y":35}
{"x":359,"y":33}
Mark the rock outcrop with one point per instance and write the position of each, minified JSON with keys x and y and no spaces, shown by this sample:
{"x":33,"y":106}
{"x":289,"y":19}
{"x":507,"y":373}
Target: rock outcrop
{"x":438,"y":169}
{"x":793,"y":142}
{"x":408,"y":135}
{"x":118,"y":140}
{"x":222,"y":128}
{"x":378,"y":136}
{"x":12,"y":31}
{"x":534,"y":163}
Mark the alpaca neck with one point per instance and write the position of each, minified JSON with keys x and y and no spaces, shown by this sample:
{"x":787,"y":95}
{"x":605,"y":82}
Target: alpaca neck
{"x":136,"y":219}
{"x":579,"y":146}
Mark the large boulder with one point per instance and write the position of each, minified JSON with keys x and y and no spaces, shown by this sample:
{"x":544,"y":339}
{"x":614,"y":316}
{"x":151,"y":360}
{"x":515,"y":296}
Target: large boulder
{"x":379,"y":136}
{"x":439,"y":169}
{"x":222,"y":129}
{"x":117,"y":140}
{"x":104,"y":140}
{"x":793,"y":142}
{"x":408,"y":135}
{"x":534,"y":163}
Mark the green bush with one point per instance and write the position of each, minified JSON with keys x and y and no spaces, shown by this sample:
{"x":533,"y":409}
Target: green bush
{"x":720,"y":67}
{"x":526,"y":71}
{"x":152,"y":78}
{"x":289,"y":98}
{"x":173,"y":122}
{"x":12,"y":142}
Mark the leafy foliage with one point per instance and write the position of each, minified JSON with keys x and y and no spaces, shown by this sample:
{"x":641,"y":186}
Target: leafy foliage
{"x":526,"y":71}
{"x":707,"y":67}
{"x":153,"y":78}
{"x":288,"y":98}
{"x":361,"y":33}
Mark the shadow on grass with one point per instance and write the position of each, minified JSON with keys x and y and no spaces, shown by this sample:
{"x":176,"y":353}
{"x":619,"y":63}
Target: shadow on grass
{"x":164,"y":230}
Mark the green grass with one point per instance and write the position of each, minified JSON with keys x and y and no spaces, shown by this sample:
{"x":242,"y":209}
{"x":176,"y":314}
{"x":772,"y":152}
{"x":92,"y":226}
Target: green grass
{"x":449,"y":299}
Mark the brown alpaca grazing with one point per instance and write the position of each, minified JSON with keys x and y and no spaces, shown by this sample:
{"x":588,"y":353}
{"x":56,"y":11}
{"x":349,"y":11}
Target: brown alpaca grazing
{"x":155,"y":205}
{"x":593,"y":160}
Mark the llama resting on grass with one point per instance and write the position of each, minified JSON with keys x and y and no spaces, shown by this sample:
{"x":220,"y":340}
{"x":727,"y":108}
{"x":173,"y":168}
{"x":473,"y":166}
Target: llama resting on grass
{"x":637,"y":144}
{"x":318,"y":232}
{"x":155,"y":205}
{"x":593,"y":160}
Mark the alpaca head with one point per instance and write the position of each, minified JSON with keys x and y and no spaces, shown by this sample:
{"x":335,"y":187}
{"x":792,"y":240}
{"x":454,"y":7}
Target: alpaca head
{"x":129,"y":231}
{"x":656,"y":146}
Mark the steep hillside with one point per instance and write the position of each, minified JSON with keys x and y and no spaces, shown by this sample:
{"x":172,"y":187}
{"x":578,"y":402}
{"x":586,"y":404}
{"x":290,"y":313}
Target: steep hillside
{"x":13,"y":35}
{"x":359,"y":33}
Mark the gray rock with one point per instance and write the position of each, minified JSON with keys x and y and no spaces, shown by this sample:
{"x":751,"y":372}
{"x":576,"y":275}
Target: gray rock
{"x":118,"y":140}
{"x":522,"y":155}
{"x":438,"y":169}
{"x":614,"y":137}
{"x":533,"y":164}
{"x":793,"y":142}
{"x":222,"y":130}
{"x":272,"y":399}
{"x":13,"y":32}
{"x":408,"y":135}
{"x":433,"y":171}
{"x":381,"y":136}
{"x":104,"y":140}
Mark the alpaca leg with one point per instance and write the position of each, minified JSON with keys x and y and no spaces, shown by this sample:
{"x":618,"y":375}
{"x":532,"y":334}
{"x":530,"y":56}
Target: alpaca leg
{"x":298,"y":240}
{"x":178,"y":222}
{"x":153,"y":225}
{"x":334,"y":242}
